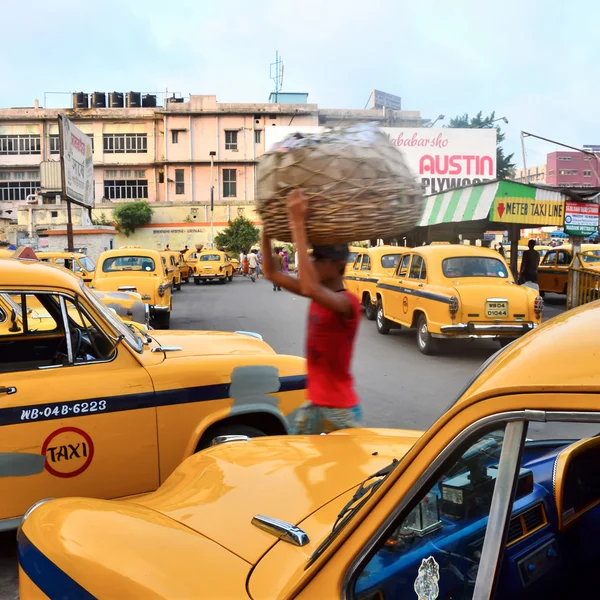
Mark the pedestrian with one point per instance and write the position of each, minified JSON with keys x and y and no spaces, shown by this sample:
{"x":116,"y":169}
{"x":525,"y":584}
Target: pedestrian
{"x":167,"y":249}
{"x":252,"y":264}
{"x":274,"y":264}
{"x":285,"y":262}
{"x":333,"y":319}
{"x":241,"y":266}
{"x":259,"y":268}
{"x":501,"y":250}
{"x":529,"y":264}
{"x":245,"y":264}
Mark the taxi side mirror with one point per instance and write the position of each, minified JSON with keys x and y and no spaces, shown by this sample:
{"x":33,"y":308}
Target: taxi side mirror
{"x":14,"y":328}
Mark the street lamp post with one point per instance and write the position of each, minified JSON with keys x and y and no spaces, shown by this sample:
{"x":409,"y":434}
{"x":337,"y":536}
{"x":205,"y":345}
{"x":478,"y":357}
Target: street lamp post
{"x":212,"y":200}
{"x":440,"y":118}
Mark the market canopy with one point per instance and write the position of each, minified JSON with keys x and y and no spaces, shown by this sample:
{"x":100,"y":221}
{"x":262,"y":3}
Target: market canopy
{"x":499,"y":202}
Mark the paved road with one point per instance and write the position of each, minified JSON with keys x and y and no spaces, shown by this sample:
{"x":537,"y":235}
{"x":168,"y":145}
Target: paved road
{"x":399,"y":387}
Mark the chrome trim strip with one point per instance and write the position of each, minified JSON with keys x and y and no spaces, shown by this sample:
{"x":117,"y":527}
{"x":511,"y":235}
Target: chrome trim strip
{"x":32,"y":508}
{"x":496,"y":327}
{"x":166,"y":349}
{"x":225,"y":439}
{"x":251,"y":334}
{"x":281,"y":529}
{"x":160,"y":308}
{"x":496,"y":299}
{"x":493,"y":541}
{"x":63,"y":310}
{"x":425,"y":479}
{"x":10,"y":524}
{"x":127,"y":288}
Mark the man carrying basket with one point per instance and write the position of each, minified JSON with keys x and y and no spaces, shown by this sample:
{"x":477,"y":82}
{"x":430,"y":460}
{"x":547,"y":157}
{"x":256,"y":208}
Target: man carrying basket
{"x":333,"y":321}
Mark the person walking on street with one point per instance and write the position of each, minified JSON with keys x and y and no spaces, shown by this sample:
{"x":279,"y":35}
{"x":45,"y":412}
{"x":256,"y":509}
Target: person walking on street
{"x":501,"y":250}
{"x":530,"y":264}
{"x":259,"y":268}
{"x":241,"y":266}
{"x":274,"y":264}
{"x":333,"y":319}
{"x":285,"y":262}
{"x":252,"y":265}
{"x":245,"y":265}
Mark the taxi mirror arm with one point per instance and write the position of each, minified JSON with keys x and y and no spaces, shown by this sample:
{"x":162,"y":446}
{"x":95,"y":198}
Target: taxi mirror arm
{"x":14,"y":328}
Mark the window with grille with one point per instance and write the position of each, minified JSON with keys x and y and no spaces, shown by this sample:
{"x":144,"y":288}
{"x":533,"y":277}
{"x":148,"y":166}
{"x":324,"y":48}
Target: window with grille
{"x":54,"y":142}
{"x":126,"y":174}
{"x":128,"y":189}
{"x":587,"y":173}
{"x":110,"y":174}
{"x":125,"y":143}
{"x":140,"y":173}
{"x":18,"y":174}
{"x":231,"y":140}
{"x":17,"y":190}
{"x":19,"y":144}
{"x":4,"y":175}
{"x":229,"y":183}
{"x":179,"y":181}
{"x":175,"y":136}
{"x":257,"y":133}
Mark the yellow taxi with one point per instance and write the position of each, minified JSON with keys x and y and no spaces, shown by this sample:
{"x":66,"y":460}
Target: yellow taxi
{"x":499,"y":499}
{"x":370,"y":264}
{"x":171,"y":263}
{"x":553,"y":272}
{"x":137,"y":270}
{"x":92,"y":407}
{"x":455,"y":291}
{"x":185,"y":269}
{"x":353,"y":252}
{"x":213,"y":264}
{"x":79,"y":263}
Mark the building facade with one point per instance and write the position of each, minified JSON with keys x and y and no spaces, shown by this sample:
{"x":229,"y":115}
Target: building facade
{"x":170,"y":156}
{"x":535,"y":174}
{"x":572,"y":169}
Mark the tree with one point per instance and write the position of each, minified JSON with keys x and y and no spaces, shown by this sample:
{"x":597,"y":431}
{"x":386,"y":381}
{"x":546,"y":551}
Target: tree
{"x":504,"y":163}
{"x":130,"y":215}
{"x":240,"y":235}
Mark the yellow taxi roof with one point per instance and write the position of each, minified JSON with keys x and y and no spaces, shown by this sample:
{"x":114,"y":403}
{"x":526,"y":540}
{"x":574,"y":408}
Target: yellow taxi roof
{"x":376,"y":251}
{"x":130,"y":251}
{"x":60,"y":254}
{"x":529,"y":363}
{"x":35,"y":274}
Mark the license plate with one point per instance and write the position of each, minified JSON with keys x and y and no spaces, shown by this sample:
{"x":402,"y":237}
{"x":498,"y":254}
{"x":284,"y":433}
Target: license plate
{"x":207,"y":268}
{"x":493,"y":310}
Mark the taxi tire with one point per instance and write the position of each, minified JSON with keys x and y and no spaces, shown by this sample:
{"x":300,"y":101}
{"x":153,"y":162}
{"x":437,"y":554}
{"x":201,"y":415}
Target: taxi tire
{"x":178,"y":287}
{"x":223,"y":281}
{"x":247,"y":430}
{"x":383,"y":324}
{"x":426,"y":343}
{"x":370,"y":310}
{"x":197,"y":280}
{"x":230,"y":278}
{"x":162,"y":320}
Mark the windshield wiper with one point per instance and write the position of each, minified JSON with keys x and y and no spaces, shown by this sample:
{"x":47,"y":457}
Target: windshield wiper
{"x":360,"y":497}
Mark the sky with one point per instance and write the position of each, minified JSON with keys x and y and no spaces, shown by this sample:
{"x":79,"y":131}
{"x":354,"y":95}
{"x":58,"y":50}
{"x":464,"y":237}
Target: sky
{"x":532,"y":62}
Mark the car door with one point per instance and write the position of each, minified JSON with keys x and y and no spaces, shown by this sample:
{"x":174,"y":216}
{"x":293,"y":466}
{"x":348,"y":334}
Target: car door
{"x":563,"y":260}
{"x":415,"y":285}
{"x":364,"y":276}
{"x":548,"y":272}
{"x":352,"y":277}
{"x":399,"y":297}
{"x":76,"y":407}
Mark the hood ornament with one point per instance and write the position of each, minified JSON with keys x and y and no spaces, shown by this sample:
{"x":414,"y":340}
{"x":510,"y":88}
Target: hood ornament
{"x":281,"y":529}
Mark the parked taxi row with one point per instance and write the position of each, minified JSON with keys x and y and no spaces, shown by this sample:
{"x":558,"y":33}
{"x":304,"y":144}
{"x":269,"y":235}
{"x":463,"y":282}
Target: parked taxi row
{"x":444,"y":292}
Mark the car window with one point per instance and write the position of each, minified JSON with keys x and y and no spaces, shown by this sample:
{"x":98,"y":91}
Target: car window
{"x":366,"y":263}
{"x":206,"y":257}
{"x":389,"y":261}
{"x":128,"y":263}
{"x":87,"y":264}
{"x":549,"y":258}
{"x":473,"y":266}
{"x":564,"y":258}
{"x":417,"y":268}
{"x":351,"y":257}
{"x":356,"y":265}
{"x":436,"y":547}
{"x":403,"y":266}
{"x":591,"y":256}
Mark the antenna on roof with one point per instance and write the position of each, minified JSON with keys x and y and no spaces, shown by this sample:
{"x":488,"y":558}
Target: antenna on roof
{"x":276,"y":72}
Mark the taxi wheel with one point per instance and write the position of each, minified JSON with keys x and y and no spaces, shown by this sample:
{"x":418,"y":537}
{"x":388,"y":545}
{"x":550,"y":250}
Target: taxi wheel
{"x":426,"y":343}
{"x":370,"y":310}
{"x":223,"y":281}
{"x":383,"y":325}
{"x":246,"y":430}
{"x":197,"y":280}
{"x":162,"y":320}
{"x":178,"y":287}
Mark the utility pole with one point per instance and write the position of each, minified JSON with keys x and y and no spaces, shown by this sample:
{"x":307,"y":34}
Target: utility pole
{"x":212,"y":200}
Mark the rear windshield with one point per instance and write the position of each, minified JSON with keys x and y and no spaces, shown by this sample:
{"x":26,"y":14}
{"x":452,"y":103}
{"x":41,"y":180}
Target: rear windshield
{"x":591,"y":256}
{"x":473,"y":266}
{"x":390,"y":261}
{"x":128,"y":263}
{"x":210,"y":257}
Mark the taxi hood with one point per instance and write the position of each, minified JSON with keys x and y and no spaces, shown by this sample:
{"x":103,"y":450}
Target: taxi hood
{"x":209,"y":343}
{"x":217,"y":492}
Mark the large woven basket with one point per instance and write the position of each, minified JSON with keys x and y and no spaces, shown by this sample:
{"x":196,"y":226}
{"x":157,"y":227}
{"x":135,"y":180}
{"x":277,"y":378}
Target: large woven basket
{"x":358,"y":185}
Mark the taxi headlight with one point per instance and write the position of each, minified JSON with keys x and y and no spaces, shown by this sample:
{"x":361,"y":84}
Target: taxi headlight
{"x":453,"y":306}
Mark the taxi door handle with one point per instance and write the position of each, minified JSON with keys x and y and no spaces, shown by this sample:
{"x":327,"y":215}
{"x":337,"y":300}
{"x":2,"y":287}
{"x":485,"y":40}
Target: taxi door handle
{"x":8,"y":390}
{"x":420,"y":285}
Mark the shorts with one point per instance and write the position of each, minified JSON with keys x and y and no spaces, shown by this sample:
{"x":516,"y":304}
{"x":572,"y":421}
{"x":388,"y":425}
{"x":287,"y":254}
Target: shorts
{"x":311,"y":418}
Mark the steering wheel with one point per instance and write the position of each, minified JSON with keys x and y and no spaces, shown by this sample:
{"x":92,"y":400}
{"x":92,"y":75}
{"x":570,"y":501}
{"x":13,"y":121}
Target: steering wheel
{"x":76,"y":339}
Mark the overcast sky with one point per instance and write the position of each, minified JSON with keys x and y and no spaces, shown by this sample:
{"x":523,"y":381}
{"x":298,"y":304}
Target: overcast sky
{"x":534,"y":62}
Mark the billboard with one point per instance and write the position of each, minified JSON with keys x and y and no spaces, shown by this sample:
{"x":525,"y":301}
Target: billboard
{"x":581,"y":218}
{"x":440,"y":158}
{"x":382,"y":99}
{"x":78,"y":164}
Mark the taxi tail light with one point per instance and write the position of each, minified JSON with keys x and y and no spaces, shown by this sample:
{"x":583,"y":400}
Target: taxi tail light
{"x":161,"y":290}
{"x":453,"y":306}
{"x":538,"y":305}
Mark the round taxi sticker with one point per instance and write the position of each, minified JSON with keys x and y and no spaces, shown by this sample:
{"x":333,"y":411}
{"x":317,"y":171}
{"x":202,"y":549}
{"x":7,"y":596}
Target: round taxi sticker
{"x":405,"y":304}
{"x":69,"y":452}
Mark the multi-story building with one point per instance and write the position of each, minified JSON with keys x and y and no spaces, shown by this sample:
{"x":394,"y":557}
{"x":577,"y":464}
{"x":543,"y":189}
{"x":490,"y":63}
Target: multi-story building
{"x":535,"y":174}
{"x":171,"y":155}
{"x":572,"y":169}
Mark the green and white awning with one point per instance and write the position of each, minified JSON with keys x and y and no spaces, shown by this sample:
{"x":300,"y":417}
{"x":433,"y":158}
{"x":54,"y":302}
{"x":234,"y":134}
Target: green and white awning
{"x":496,"y":201}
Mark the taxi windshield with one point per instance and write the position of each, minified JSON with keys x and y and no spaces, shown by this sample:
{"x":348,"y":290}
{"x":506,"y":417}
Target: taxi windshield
{"x":87,"y":264}
{"x":115,"y":264}
{"x":129,"y":334}
{"x":210,"y":257}
{"x":473,"y":266}
{"x":390,"y":261}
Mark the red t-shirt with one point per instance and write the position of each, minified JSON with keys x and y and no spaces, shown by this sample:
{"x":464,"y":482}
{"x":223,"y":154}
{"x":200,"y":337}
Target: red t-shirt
{"x":329,"y":346}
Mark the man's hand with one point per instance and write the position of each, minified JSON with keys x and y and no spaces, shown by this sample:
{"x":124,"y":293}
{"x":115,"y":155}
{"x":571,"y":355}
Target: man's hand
{"x":297,"y":206}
